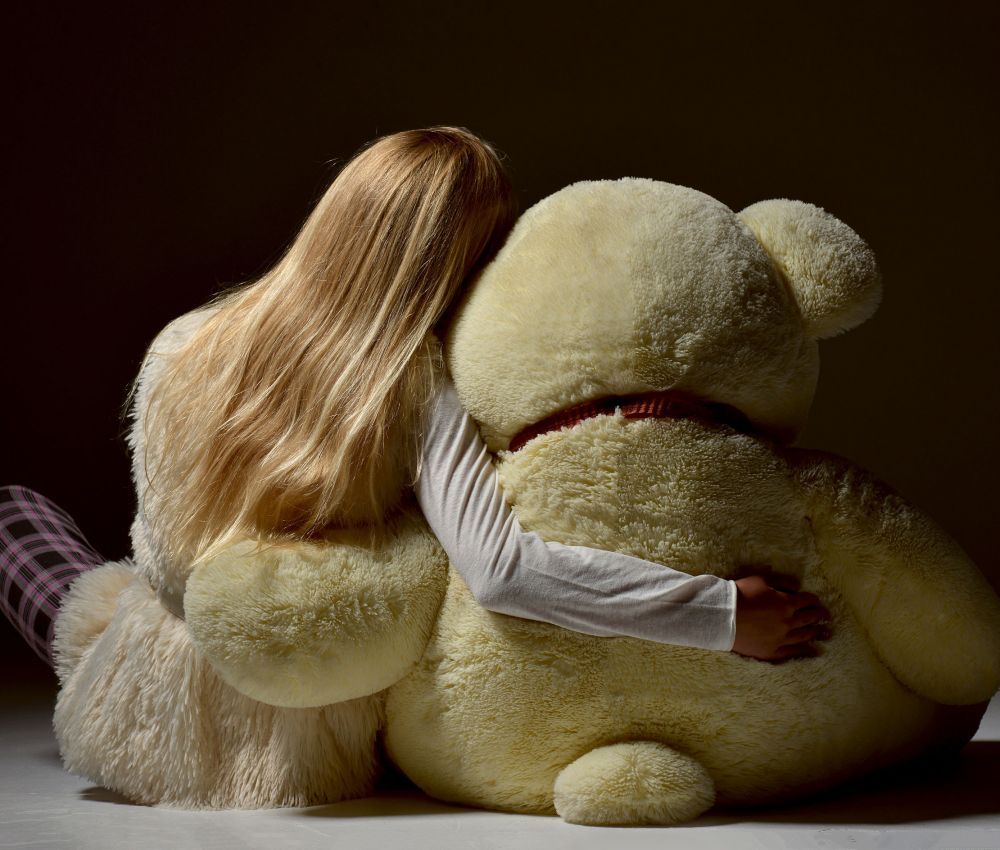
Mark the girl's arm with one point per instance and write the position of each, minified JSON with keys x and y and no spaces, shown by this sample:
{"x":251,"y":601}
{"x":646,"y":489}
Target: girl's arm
{"x":512,"y":571}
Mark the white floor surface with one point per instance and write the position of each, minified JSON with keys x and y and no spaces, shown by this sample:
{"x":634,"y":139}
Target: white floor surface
{"x":42,"y":806}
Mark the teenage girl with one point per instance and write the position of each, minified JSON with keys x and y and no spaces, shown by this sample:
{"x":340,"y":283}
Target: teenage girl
{"x":300,"y":400}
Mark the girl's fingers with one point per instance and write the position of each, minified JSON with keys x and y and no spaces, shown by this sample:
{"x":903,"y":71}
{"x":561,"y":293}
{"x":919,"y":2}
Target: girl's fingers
{"x":810,"y":600}
{"x":806,"y":616}
{"x":799,"y":599}
{"x":803,"y":633}
{"x":804,"y":599}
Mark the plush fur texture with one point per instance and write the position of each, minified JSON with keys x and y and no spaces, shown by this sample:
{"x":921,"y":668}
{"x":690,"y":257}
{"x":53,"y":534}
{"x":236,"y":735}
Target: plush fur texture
{"x":284,"y":625}
{"x":143,"y":711}
{"x":606,"y":287}
{"x":635,"y":782}
{"x":612,"y":287}
{"x":829,"y":268}
{"x":140,"y":711}
{"x":498,"y":706}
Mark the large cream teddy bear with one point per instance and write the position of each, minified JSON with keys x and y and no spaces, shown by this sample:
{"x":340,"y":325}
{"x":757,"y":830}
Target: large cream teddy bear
{"x":640,"y":296}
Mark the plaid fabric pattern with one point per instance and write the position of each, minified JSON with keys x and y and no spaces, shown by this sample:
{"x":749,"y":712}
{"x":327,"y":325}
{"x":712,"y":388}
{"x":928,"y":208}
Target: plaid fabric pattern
{"x":41,"y":552}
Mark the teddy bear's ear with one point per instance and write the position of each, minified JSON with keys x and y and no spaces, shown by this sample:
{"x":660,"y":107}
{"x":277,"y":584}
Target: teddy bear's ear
{"x":831,"y":270}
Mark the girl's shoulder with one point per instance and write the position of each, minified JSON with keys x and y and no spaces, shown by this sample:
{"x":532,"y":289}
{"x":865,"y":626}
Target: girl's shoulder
{"x":169,"y":339}
{"x":177,"y":331}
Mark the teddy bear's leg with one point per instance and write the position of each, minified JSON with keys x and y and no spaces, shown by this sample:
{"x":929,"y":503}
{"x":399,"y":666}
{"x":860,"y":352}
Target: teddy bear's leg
{"x":930,"y":615}
{"x":85,"y":612}
{"x":633,"y":782}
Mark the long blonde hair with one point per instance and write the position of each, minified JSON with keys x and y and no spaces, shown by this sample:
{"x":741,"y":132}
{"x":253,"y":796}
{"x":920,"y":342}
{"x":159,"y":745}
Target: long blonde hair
{"x":277,"y":418}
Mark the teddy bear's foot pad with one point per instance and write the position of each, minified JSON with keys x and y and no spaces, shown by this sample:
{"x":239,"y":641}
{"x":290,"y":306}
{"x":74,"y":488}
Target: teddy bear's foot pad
{"x":633,"y":782}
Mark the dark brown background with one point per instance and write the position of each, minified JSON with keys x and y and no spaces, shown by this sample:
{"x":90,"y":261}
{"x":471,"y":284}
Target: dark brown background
{"x":158,"y":156}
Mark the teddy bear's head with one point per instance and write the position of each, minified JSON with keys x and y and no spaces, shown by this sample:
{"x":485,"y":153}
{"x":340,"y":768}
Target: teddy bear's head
{"x":621,"y":287}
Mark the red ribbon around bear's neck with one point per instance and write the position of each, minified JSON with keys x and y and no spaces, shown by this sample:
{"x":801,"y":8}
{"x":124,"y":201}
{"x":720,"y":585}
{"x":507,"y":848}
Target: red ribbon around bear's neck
{"x":662,"y":404}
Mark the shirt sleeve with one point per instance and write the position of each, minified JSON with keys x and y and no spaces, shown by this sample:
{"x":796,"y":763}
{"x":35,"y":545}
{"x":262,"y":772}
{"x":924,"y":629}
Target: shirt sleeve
{"x":513,"y":571}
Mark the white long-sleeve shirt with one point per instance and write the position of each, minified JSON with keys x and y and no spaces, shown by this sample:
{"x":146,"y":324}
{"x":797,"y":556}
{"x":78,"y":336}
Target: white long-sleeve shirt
{"x":512,"y":571}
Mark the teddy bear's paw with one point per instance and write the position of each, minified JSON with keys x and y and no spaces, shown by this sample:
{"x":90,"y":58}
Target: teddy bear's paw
{"x":633,"y":782}
{"x":310,"y":623}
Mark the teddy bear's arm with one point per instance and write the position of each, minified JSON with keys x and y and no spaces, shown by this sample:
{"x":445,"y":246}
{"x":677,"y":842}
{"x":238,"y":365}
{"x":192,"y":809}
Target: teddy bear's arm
{"x":930,"y":614}
{"x":317,"y":623}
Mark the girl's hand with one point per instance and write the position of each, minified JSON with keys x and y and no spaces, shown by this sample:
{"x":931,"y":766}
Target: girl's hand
{"x":774,"y":624}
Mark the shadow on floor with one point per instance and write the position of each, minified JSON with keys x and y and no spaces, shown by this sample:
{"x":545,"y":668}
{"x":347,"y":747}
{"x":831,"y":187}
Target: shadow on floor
{"x":911,"y":793}
{"x":386,"y":804}
{"x":97,"y":794}
{"x":907,"y":793}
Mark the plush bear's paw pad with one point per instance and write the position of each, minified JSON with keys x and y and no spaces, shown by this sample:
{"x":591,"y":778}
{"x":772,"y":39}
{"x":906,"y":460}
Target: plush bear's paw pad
{"x":634,"y":782}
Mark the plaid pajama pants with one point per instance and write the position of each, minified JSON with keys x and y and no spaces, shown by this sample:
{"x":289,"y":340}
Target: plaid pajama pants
{"x":41,"y":552}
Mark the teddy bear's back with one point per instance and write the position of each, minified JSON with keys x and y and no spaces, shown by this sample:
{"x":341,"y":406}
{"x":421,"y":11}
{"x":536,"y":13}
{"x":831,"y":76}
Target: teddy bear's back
{"x":498,"y":696}
{"x":675,"y":492}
